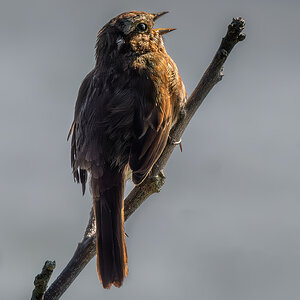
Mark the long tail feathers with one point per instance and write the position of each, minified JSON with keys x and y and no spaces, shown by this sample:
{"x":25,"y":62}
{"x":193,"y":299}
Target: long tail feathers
{"x":108,"y":194}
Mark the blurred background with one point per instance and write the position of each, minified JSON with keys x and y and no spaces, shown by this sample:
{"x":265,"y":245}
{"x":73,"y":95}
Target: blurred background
{"x":226,"y":224}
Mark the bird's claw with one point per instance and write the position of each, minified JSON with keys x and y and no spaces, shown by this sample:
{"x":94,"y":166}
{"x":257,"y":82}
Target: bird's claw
{"x":173,"y":142}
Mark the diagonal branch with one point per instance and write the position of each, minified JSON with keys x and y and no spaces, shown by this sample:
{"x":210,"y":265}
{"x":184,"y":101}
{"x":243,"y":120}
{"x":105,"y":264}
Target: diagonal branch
{"x":86,"y":249}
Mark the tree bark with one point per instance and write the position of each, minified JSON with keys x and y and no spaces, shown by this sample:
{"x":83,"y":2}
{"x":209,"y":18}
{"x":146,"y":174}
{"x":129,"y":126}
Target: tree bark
{"x":41,"y":280}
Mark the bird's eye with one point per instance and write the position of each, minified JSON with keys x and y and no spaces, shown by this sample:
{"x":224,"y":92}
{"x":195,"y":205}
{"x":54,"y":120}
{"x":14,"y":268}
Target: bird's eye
{"x":142,"y":27}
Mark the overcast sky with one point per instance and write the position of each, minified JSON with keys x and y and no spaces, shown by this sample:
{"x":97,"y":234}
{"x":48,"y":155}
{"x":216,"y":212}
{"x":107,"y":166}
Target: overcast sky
{"x":226,"y":225}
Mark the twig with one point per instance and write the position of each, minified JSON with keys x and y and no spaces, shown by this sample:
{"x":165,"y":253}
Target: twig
{"x":41,"y":281}
{"x":153,"y":183}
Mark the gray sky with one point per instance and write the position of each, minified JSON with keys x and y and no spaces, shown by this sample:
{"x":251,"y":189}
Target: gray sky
{"x":226,"y":224}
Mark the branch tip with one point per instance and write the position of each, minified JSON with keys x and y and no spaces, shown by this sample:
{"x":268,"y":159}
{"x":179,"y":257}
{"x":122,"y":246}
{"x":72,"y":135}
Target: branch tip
{"x":238,"y":23}
{"x":235,"y":28}
{"x":42,"y":279}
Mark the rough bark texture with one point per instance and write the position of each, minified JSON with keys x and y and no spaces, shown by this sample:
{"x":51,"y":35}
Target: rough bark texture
{"x":41,"y":280}
{"x":86,"y":248}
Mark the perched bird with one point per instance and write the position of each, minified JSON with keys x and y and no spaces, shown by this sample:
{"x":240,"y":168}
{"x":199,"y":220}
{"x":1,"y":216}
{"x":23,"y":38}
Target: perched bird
{"x":124,"y":112}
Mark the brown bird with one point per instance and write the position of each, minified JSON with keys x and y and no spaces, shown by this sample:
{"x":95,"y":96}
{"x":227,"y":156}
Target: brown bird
{"x":124,"y":112}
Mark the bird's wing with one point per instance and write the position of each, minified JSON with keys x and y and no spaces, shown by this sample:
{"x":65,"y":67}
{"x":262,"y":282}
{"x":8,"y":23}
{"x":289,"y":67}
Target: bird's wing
{"x":163,"y":94}
{"x":80,"y":175}
{"x":81,"y":98}
{"x":152,"y":124}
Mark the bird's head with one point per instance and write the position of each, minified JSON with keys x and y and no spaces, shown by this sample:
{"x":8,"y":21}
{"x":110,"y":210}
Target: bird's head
{"x":131,"y":32}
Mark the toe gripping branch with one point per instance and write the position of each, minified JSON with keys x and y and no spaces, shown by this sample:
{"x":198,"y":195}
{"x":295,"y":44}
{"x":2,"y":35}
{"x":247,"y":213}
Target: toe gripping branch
{"x":174,"y":142}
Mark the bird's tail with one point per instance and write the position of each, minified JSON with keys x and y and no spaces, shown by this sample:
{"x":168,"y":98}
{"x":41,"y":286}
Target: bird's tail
{"x":108,"y":191}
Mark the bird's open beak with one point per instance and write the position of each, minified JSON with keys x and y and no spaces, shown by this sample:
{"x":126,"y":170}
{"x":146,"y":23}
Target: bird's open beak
{"x":158,"y":15}
{"x":162,"y":31}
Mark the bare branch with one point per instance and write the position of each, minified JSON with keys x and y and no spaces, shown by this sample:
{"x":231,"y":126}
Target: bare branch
{"x":153,"y":183}
{"x":41,"y":280}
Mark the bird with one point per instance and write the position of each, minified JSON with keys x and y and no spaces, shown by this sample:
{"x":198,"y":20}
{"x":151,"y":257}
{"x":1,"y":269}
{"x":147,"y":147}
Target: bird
{"x":125,"y":109}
